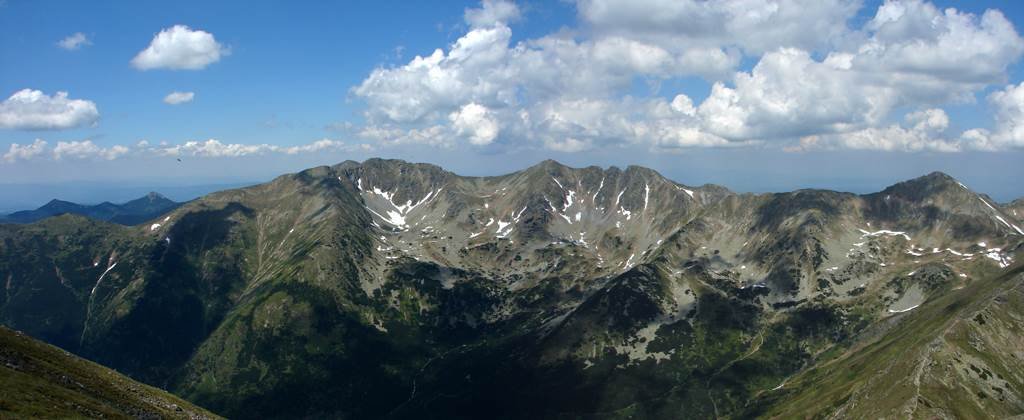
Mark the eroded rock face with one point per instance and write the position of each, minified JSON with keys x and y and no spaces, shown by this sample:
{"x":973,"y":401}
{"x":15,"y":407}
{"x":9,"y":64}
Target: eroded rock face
{"x":388,"y":288}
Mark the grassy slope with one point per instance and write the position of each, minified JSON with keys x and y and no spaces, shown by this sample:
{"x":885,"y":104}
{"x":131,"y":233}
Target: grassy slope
{"x":926,"y":365}
{"x":38,"y":380}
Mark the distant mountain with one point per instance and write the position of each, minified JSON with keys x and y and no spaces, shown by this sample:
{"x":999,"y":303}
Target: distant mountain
{"x":131,"y":213}
{"x":400,"y":290}
{"x":41,"y":381}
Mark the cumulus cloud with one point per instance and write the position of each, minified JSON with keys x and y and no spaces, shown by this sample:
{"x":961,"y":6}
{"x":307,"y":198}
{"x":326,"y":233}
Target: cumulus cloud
{"x":317,"y":146}
{"x":482,"y":84}
{"x":176,"y":98}
{"x":475,"y":122}
{"x":925,"y":132}
{"x":492,"y":12}
{"x":27,"y":152}
{"x":920,"y":58}
{"x":86,"y":149}
{"x":933,"y":56}
{"x":1008,"y":133}
{"x":753,"y":25}
{"x":788,"y":94}
{"x":815,"y":81}
{"x":74,"y":41}
{"x":215,"y":148}
{"x":29,"y":109}
{"x":180,"y":48}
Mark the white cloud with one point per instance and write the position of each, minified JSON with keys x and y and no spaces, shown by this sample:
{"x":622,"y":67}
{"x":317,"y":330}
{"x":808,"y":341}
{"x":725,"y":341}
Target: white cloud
{"x":1008,"y":133}
{"x":317,"y":146}
{"x":74,"y":41}
{"x":932,"y":59}
{"x":176,"y":98}
{"x":215,"y":148}
{"x":433,"y":86}
{"x":814,"y":78}
{"x":29,"y":109}
{"x":567,"y":145}
{"x":753,"y":25}
{"x":475,"y":122}
{"x":212,"y":148}
{"x":926,"y":132}
{"x":180,"y":48}
{"x":492,"y":12}
{"x":86,"y":149}
{"x":434,"y":135}
{"x":937,"y":55}
{"x":27,"y":152}
{"x":426,"y":99}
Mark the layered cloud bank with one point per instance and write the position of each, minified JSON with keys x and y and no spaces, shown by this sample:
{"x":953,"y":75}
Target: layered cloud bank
{"x":815,"y":81}
{"x":212,"y":148}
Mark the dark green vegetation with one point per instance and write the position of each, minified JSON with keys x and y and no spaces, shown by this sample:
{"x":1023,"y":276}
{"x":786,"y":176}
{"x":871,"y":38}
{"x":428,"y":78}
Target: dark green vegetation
{"x":389,"y":289}
{"x":38,"y":380}
{"x":133,"y":212}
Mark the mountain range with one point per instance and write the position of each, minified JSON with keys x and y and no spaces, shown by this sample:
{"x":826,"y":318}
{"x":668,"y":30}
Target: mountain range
{"x":129,"y":213}
{"x":388,"y":289}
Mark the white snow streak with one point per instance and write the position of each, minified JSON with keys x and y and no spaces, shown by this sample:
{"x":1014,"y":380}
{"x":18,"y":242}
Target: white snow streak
{"x":884,"y":232}
{"x":101,"y":278}
{"x":903,"y":310}
{"x":647,"y":195}
{"x":599,"y":187}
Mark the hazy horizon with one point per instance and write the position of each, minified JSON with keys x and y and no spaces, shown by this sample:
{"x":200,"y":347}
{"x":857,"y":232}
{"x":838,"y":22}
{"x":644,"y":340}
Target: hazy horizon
{"x":25,"y":196}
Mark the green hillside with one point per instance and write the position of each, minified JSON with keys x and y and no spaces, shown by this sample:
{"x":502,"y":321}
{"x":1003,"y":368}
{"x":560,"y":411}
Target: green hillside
{"x":38,"y":380}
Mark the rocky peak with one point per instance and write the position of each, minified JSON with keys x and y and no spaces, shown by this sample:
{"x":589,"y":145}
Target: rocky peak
{"x":925,"y":187}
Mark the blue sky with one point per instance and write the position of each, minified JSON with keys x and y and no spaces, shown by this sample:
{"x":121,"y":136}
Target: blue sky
{"x":603,"y":82}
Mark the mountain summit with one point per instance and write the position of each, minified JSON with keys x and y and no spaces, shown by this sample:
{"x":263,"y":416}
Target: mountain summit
{"x":393,"y":289}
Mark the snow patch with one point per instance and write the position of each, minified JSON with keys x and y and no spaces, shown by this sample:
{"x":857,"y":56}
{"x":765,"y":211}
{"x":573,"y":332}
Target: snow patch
{"x":397,"y":216}
{"x":996,"y":255}
{"x":884,"y":232}
{"x":688,"y":192}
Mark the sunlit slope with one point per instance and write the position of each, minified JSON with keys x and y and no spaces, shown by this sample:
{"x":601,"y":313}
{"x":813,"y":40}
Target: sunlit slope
{"x":38,"y":380}
{"x":959,"y":356}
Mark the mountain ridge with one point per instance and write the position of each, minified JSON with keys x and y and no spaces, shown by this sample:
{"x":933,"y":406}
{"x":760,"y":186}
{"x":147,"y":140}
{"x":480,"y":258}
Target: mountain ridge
{"x":383,"y":288}
{"x":131,"y":212}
